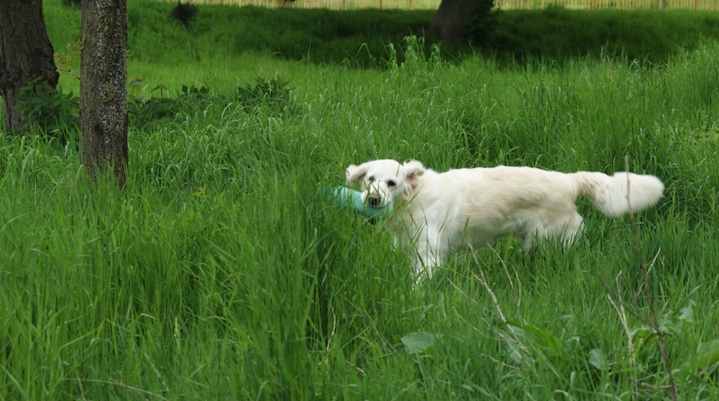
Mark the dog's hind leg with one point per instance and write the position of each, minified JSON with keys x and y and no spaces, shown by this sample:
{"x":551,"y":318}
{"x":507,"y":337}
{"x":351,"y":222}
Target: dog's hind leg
{"x":562,"y":230}
{"x":572,"y":229}
{"x":528,"y":241}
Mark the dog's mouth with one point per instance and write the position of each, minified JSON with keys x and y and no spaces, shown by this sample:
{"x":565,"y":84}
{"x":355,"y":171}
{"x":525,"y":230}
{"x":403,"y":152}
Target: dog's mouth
{"x":374,"y":201}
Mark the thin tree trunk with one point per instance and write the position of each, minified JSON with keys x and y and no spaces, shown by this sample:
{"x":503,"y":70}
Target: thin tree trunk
{"x":25,"y":54}
{"x":448,"y":22}
{"x":103,"y":101}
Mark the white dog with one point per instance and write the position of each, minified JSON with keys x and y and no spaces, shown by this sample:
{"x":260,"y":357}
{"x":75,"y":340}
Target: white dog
{"x":439,"y":213}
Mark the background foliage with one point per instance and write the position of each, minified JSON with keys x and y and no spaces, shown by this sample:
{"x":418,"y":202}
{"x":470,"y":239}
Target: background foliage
{"x":222,"y":273}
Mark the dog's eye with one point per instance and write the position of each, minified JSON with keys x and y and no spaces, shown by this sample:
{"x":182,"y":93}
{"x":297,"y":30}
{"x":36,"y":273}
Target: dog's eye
{"x":370,"y":179}
{"x":391,"y":184}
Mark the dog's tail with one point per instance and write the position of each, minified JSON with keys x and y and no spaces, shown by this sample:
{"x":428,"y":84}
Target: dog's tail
{"x":621,"y":193}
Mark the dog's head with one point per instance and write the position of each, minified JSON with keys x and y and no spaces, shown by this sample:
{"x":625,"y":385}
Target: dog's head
{"x":385,"y":182}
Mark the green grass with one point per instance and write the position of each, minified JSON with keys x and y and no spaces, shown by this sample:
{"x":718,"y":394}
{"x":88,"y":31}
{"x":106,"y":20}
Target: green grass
{"x":226,"y":40}
{"x":558,"y":34}
{"x":221,"y":273}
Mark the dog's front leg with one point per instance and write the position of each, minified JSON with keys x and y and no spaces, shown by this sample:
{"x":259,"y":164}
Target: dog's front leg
{"x":424,"y":265}
{"x":430,"y":252}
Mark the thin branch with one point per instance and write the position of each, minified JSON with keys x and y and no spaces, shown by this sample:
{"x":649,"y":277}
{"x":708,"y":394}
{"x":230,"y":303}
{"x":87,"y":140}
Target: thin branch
{"x":661,"y":344}
{"x":482,"y":280}
{"x":619,"y":307}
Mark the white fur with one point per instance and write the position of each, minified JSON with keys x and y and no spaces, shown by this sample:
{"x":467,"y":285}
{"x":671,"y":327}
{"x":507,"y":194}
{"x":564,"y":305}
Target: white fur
{"x":439,"y":213}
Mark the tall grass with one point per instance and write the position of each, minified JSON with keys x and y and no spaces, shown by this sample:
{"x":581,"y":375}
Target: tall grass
{"x":221,"y":272}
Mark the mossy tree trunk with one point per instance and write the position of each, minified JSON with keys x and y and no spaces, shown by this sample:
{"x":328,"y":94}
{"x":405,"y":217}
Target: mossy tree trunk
{"x":103,"y":101}
{"x":448,"y":23}
{"x":26,"y":54}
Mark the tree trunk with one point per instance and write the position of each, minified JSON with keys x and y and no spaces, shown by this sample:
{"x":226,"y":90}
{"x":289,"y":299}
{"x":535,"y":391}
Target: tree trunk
{"x":103,"y":76}
{"x":448,"y":22}
{"x":25,"y":54}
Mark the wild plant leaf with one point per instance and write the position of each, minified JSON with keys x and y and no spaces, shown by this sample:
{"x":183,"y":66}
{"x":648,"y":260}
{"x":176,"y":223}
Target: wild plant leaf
{"x":418,"y":342}
{"x":707,"y":354}
{"x":701,"y":360}
{"x":598,"y":359}
{"x":513,"y":350}
{"x":675,"y":324}
{"x":686,"y":314}
{"x":548,"y":341}
{"x":642,"y":333}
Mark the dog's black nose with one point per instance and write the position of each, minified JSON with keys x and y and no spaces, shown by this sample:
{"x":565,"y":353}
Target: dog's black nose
{"x":374,"y":200}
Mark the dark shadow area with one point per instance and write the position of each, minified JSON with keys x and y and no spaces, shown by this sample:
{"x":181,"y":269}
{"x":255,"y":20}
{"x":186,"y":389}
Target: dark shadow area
{"x":363,"y":38}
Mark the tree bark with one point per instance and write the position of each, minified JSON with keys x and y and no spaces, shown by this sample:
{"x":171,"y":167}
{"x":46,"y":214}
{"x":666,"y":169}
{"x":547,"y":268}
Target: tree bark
{"x":448,"y":22}
{"x":25,"y":54}
{"x":103,"y":76}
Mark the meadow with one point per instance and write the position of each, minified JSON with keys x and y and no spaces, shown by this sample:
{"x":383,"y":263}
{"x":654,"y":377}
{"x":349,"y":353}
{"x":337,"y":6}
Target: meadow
{"x":221,"y":272}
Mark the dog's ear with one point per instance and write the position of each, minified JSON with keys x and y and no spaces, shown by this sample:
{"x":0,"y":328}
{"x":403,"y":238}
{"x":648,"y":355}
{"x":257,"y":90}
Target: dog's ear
{"x":412,"y":170}
{"x":355,"y":173}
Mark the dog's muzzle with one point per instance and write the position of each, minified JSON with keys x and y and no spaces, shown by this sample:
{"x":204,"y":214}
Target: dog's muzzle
{"x":374,"y":200}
